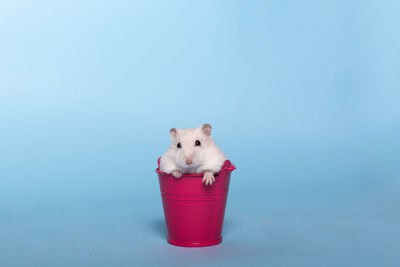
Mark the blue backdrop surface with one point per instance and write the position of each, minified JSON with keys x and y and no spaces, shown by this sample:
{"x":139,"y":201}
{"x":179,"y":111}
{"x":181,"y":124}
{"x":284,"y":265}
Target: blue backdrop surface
{"x":303,"y":96}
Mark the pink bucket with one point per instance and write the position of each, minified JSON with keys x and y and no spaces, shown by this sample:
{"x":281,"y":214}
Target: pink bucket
{"x":194,"y":213}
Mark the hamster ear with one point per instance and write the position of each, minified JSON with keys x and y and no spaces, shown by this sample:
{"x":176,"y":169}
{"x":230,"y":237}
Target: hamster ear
{"x":172,"y":133}
{"x":206,"y":129}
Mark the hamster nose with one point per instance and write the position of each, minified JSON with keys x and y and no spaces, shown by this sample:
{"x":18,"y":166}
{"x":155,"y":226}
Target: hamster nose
{"x":188,"y":161}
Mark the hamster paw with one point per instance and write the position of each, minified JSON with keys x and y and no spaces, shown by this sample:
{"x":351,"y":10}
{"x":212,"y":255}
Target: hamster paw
{"x":177,"y":174}
{"x":208,"y":178}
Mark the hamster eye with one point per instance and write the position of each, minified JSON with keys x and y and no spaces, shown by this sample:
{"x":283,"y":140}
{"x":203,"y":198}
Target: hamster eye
{"x":197,"y":143}
{"x":179,"y":145}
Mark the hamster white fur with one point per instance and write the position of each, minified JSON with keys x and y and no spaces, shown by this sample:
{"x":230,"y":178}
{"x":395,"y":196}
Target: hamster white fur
{"x":193,"y":151}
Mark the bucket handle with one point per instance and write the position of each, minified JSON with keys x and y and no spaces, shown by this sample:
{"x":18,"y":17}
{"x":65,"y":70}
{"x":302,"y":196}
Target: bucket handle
{"x":230,"y":168}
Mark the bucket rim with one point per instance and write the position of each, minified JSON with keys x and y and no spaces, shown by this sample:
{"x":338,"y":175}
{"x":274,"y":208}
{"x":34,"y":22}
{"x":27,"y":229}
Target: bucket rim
{"x":227,"y":166}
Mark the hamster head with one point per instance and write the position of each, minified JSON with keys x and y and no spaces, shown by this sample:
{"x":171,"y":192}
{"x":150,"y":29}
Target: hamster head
{"x":189,"y":146}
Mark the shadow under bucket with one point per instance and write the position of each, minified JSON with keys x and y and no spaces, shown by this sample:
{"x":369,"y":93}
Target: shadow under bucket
{"x":194,"y":213}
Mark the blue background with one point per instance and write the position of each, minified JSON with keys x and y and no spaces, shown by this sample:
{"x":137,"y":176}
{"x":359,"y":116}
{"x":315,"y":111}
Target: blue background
{"x":303,"y":96}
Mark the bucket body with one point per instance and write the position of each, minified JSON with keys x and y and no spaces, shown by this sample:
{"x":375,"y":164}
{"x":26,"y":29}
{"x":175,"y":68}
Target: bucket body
{"x":194,"y":212}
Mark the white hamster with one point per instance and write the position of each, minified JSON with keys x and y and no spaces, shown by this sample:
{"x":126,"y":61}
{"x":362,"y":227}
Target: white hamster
{"x":193,"y":151}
